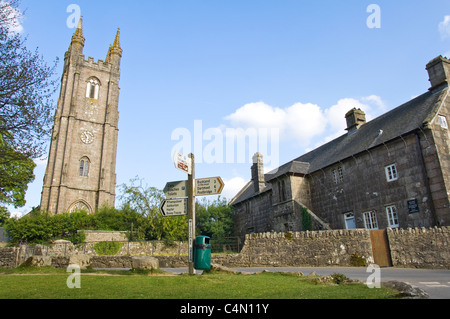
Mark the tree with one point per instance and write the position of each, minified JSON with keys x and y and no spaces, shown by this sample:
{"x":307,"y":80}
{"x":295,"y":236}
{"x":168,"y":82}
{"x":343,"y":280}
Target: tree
{"x":16,"y":172}
{"x":146,"y":201}
{"x":41,"y":227}
{"x":214,"y":219}
{"x":4,"y":216}
{"x":26,"y":87}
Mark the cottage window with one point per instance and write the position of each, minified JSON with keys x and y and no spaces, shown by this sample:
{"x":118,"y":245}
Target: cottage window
{"x":335,"y":177}
{"x":443,"y":121}
{"x":392,"y":217}
{"x":370,"y":220}
{"x":338,"y":175}
{"x":349,"y":220}
{"x":391,"y":173}
{"x":84,"y":167}
{"x":341,"y":174}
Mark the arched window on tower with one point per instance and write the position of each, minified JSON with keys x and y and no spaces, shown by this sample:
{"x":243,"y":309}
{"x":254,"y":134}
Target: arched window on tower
{"x":84,"y":167}
{"x":92,"y":89}
{"x":80,"y":205}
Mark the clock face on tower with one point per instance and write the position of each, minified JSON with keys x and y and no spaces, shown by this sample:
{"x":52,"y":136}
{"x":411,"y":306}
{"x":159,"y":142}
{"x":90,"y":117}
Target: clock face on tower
{"x":87,"y":137}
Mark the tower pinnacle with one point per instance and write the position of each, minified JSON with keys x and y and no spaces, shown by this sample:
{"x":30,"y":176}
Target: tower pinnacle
{"x":78,"y":38}
{"x":115,"y":49}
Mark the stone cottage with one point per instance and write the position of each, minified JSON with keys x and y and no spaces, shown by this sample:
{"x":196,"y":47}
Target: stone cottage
{"x":391,"y":172}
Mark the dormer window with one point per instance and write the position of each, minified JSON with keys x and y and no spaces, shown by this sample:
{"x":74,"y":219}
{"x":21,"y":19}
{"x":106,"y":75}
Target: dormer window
{"x":92,"y":89}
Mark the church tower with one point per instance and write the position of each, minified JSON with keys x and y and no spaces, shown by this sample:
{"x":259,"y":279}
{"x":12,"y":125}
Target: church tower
{"x":81,"y":165}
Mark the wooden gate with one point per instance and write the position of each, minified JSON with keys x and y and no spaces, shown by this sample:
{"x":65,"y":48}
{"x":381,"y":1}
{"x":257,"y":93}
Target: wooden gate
{"x":380,"y":248}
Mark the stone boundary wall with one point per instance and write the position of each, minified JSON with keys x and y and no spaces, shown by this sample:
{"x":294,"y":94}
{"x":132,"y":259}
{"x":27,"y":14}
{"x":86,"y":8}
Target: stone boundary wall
{"x":309,"y":248}
{"x":96,"y":235}
{"x":144,"y":248}
{"x":8,"y":257}
{"x":414,"y":248}
{"x":420,"y":247}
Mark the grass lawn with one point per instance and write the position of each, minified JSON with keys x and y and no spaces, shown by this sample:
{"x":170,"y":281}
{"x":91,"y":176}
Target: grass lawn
{"x":43,"y":283}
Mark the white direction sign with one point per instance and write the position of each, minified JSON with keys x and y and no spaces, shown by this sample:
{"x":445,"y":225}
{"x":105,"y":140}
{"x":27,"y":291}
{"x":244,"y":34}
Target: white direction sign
{"x":208,"y":186}
{"x":182,"y":162}
{"x":176,"y":189}
{"x":174,"y":207}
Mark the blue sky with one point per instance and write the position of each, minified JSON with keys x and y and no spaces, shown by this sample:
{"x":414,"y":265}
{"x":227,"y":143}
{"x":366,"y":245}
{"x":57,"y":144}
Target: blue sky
{"x":292,"y":67}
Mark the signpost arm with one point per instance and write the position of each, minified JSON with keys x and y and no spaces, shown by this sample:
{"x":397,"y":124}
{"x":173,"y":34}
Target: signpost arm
{"x":191,"y":213}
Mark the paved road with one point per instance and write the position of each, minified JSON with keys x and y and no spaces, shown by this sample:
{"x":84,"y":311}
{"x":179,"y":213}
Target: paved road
{"x":435,"y":282}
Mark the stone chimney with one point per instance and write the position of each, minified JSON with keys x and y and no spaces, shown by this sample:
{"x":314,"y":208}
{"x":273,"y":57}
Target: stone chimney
{"x":258,"y":173}
{"x":355,"y":118}
{"x":438,"y":72}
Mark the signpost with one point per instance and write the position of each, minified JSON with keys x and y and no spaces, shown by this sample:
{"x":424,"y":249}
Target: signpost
{"x":208,"y":186}
{"x":191,"y":213}
{"x":182,"y":162}
{"x":176,"y":189}
{"x":181,"y":196}
{"x":174,"y":207}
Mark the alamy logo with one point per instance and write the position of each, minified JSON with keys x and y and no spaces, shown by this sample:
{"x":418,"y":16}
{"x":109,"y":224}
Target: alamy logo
{"x":374,"y":20}
{"x":227,"y":145}
{"x":74,"y":17}
{"x":74,"y":280}
{"x":374,"y":280}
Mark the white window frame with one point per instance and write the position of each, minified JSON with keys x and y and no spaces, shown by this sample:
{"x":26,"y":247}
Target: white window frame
{"x":347,"y":217}
{"x":443,"y":121}
{"x":392,"y":216}
{"x":391,"y":172}
{"x":341,"y":174}
{"x":370,"y":220}
{"x":335,"y":176}
{"x":338,"y":175}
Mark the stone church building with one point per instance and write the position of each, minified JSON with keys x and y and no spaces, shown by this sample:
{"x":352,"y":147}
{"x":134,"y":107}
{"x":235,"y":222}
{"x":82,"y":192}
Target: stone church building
{"x":81,"y":165}
{"x":390,"y":172}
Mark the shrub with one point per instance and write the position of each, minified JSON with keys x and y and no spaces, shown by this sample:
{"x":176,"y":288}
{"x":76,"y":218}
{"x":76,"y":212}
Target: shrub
{"x":357,"y":261}
{"x":108,"y":248}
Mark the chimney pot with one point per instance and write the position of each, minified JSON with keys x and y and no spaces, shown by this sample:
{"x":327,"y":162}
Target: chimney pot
{"x":355,"y":118}
{"x":438,"y":72}
{"x":258,"y":173}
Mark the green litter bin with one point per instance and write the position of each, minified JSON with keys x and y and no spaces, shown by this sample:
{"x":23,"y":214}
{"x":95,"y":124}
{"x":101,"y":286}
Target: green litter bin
{"x":202,"y":253}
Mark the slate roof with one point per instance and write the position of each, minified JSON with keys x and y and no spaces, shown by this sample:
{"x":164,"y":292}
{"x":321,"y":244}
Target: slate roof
{"x":398,"y":122}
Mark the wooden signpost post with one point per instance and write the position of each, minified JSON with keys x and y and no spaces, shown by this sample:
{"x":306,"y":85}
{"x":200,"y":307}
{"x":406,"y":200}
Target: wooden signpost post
{"x":181,"y":196}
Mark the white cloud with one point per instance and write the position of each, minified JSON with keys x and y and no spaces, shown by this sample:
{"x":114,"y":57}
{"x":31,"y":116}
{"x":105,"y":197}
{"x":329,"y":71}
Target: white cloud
{"x":444,"y":27}
{"x":336,"y":114}
{"x":305,"y":123}
{"x":299,"y":121}
{"x":372,"y":105}
{"x":232,"y":187}
{"x":257,"y":115}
